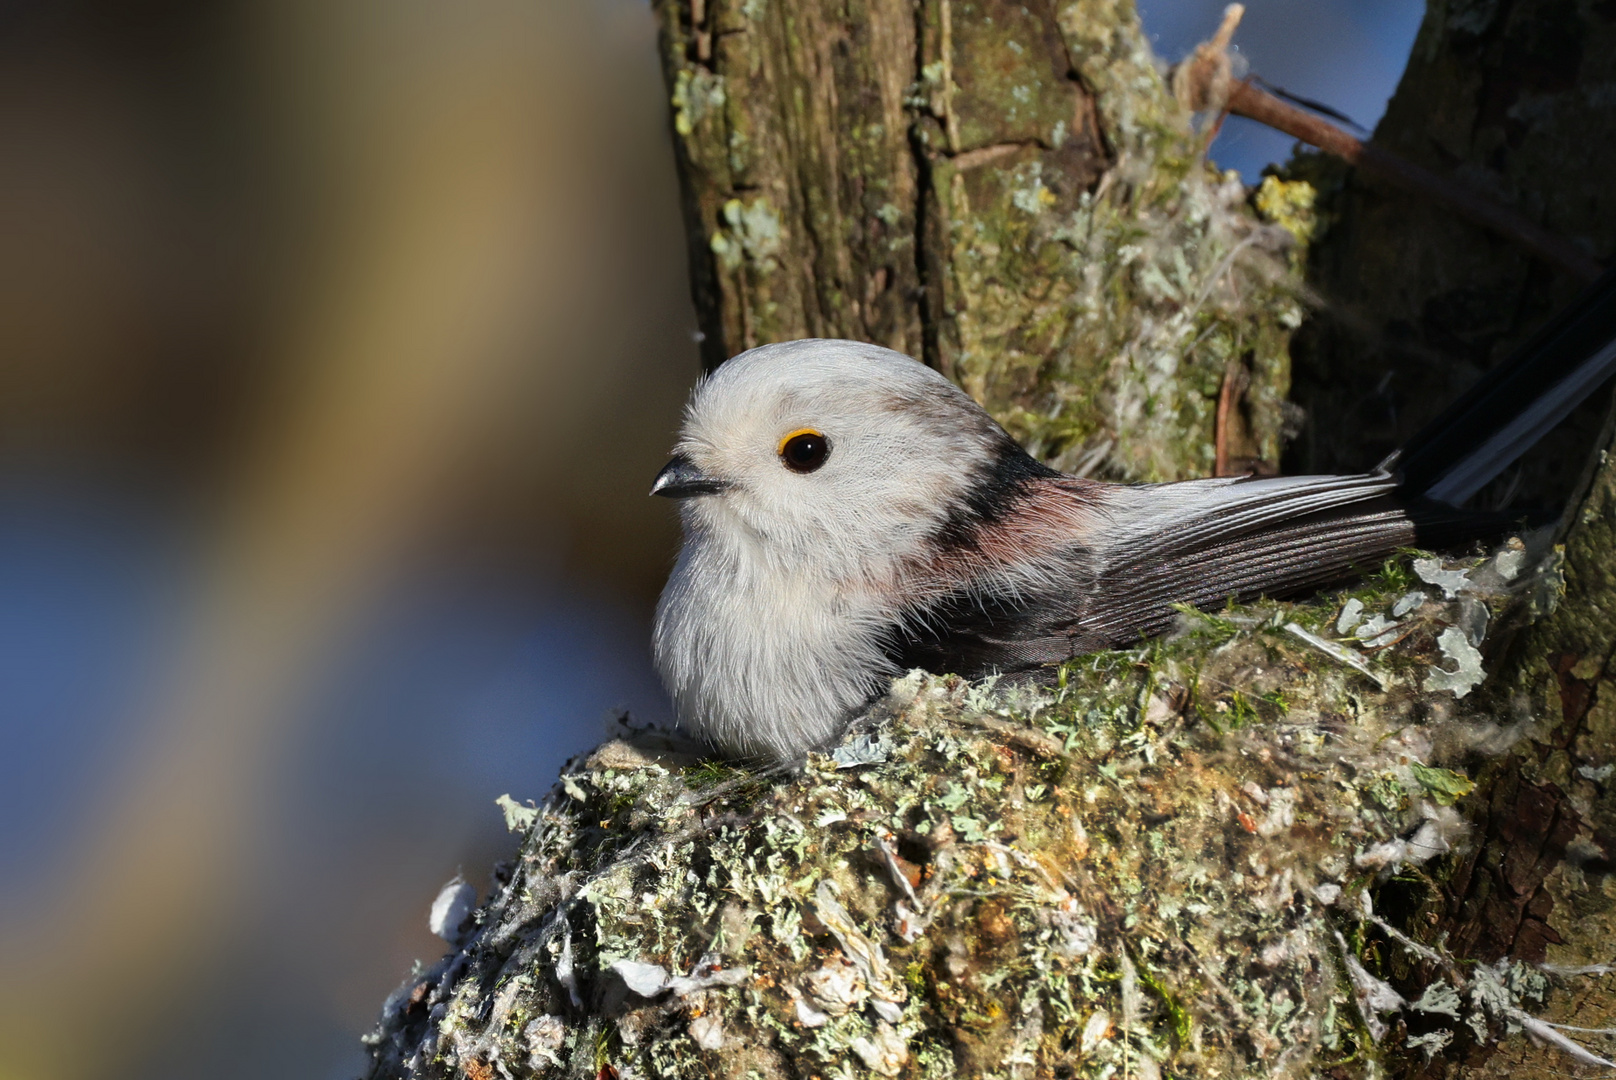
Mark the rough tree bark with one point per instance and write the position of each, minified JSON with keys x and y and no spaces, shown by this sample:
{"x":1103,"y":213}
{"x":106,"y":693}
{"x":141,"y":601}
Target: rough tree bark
{"x":1287,"y":840}
{"x":1511,"y":98}
{"x":1003,"y":189}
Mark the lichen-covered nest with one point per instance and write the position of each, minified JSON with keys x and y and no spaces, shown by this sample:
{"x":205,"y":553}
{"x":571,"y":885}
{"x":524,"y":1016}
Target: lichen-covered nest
{"x":1158,"y":863}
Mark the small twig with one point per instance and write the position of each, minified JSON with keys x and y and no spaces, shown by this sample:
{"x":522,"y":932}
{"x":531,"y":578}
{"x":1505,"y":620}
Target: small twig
{"x":1234,"y":387}
{"x":946,"y":47}
{"x":1027,"y":861}
{"x":1335,"y":652}
{"x":1307,"y":103}
{"x":1584,"y":969}
{"x":1424,"y":952}
{"x":1578,"y":1053}
{"x":890,"y":857}
{"x":1201,"y":82}
{"x":704,"y":37}
{"x":1024,"y":736}
{"x":1231,"y":22}
{"x":1254,"y":104}
{"x":1582,"y":1030}
{"x":1204,"y":82}
{"x":984,"y":155}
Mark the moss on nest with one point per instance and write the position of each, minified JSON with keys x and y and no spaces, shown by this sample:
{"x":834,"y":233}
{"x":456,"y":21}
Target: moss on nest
{"x":1158,"y":863}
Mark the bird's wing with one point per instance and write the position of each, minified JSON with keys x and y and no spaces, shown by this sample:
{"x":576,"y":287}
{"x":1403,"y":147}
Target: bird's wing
{"x":1189,"y":515}
{"x":1260,"y":538}
{"x":1144,"y":550}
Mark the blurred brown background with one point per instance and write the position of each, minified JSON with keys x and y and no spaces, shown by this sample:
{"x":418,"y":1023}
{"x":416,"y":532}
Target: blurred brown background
{"x":339,"y":342}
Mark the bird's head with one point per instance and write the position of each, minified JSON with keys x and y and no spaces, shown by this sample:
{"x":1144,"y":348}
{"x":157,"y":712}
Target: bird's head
{"x":833,"y":451}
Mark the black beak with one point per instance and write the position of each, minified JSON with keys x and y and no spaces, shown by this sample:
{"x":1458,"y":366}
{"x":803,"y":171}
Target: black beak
{"x":681,"y":479}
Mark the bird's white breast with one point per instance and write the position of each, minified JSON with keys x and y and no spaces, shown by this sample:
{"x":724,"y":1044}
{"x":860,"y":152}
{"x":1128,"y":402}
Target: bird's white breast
{"x":767,"y":654}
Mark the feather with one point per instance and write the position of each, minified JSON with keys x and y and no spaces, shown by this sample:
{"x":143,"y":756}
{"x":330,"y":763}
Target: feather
{"x":1137,"y":596}
{"x":1186,"y":516}
{"x":1516,"y":403}
{"x":1149,"y":550}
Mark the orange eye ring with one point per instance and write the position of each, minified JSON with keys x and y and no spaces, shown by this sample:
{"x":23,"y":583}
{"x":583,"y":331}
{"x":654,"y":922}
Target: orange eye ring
{"x":804,"y":450}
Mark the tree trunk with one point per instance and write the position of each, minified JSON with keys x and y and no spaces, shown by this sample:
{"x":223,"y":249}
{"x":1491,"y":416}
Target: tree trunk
{"x":1252,"y":848}
{"x":1507,"y":97}
{"x":1512,"y":99}
{"x":1003,"y":189}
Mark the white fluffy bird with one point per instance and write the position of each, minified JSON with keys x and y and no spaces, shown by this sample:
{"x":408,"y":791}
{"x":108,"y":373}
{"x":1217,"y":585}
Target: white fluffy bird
{"x":849,"y":514}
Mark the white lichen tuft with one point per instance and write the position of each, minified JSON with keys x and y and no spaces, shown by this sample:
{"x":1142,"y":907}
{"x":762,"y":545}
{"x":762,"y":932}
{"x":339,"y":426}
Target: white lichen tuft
{"x":453,"y":906}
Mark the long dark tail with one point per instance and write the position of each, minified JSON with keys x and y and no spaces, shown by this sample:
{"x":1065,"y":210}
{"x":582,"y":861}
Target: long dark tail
{"x":1514,"y":405}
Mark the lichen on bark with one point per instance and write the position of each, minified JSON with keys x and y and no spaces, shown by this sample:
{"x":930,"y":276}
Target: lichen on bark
{"x":1005,"y":190}
{"x":1536,"y":883}
{"x":1509,"y":98}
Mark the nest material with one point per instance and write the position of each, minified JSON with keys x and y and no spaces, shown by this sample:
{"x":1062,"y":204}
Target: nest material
{"x":1160,"y":863}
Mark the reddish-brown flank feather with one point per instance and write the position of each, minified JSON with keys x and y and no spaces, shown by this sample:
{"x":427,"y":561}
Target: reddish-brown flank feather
{"x":1044,"y":521}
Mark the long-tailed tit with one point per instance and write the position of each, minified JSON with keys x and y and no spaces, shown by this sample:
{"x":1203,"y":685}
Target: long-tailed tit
{"x":849,"y":513}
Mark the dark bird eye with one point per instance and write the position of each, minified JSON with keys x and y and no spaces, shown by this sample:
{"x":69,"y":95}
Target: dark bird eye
{"x":804,"y":451}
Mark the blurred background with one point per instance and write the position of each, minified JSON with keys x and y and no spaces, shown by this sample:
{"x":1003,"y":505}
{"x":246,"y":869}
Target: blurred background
{"x":339,"y":342}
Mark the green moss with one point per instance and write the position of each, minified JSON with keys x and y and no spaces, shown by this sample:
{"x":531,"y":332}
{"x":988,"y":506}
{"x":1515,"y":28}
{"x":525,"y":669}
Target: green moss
{"x":1097,"y":873}
{"x":1099,"y":329}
